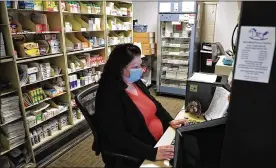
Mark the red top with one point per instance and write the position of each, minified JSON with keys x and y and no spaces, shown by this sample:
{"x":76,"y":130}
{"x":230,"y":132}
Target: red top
{"x":148,"y":110}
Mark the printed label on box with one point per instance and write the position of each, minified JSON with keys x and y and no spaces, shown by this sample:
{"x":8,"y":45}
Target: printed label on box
{"x":209,"y":62}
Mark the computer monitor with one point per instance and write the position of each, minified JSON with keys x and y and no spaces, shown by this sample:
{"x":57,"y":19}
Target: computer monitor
{"x":199,"y":145}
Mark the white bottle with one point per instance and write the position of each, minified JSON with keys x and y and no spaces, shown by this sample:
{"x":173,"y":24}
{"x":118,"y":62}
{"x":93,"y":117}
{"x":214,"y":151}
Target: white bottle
{"x":32,"y":138}
{"x":35,"y":137}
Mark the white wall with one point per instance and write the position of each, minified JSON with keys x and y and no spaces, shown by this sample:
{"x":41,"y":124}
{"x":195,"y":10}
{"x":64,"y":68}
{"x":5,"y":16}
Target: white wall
{"x":226,"y":20}
{"x":146,"y":13}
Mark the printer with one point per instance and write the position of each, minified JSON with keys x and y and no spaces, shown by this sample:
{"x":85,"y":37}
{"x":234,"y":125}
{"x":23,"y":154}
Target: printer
{"x":201,"y":88}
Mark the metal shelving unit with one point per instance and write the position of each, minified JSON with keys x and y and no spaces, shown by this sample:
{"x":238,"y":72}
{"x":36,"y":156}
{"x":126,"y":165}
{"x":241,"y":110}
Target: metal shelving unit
{"x":177,"y":45}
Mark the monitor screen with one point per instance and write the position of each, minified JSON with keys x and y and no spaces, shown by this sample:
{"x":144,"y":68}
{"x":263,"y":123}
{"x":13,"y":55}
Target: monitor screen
{"x":200,"y":145}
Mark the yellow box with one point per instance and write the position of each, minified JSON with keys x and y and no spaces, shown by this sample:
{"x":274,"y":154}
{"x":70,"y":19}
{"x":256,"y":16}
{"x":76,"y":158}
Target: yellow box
{"x":144,"y":34}
{"x":144,"y":40}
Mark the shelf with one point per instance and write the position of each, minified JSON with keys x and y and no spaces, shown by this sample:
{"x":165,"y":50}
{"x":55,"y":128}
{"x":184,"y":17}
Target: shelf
{"x":172,"y":46}
{"x":174,"y":55}
{"x":76,"y":88}
{"x":120,"y":30}
{"x":80,"y":70}
{"x":188,"y":38}
{"x":184,"y":64}
{"x":48,"y":98}
{"x":50,"y":118}
{"x":7,"y":91}
{"x":6,"y":151}
{"x":73,"y":13}
{"x":31,"y":10}
{"x":86,"y":50}
{"x":175,"y":79}
{"x":56,"y":133}
{"x":87,"y":31}
{"x":110,"y":45}
{"x":119,"y":16}
{"x":121,"y":2}
{"x":26,"y":33}
{"x":42,"y":80}
{"x":11,"y":121}
{"x":29,"y":59}
{"x":6,"y":59}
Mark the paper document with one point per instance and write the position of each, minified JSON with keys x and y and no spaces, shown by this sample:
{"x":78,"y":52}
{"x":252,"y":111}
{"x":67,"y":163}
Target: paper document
{"x":202,"y":77}
{"x":219,"y":104}
{"x":165,"y":7}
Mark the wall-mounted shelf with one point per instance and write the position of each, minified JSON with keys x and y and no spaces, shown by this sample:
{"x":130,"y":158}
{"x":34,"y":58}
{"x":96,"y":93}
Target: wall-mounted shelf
{"x":5,"y":59}
{"x":30,"y":33}
{"x":76,"y":88}
{"x":57,"y":133}
{"x":7,"y":91}
{"x":75,"y":13}
{"x":30,"y":10}
{"x":53,"y":77}
{"x":49,"y":118}
{"x":56,"y":27}
{"x":88,"y":31}
{"x":119,"y":16}
{"x":29,"y":59}
{"x":86,"y":50}
{"x":6,"y":151}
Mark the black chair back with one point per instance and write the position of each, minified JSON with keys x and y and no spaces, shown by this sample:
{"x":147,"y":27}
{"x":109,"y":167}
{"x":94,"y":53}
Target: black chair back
{"x":86,"y":103}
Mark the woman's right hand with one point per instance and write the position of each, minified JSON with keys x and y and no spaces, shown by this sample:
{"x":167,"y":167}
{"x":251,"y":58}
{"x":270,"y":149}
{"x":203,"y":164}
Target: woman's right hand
{"x":165,"y":152}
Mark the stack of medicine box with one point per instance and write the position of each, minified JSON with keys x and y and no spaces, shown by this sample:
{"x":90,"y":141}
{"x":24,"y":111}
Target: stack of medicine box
{"x":53,"y":42}
{"x":94,"y":24}
{"x":45,"y":69}
{"x":147,"y":39}
{"x":2,"y":46}
{"x":36,"y":95}
{"x":12,"y":134}
{"x":9,"y":109}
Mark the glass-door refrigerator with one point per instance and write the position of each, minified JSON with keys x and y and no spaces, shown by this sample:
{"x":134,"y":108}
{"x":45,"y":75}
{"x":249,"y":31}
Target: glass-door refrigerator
{"x":178,"y":42}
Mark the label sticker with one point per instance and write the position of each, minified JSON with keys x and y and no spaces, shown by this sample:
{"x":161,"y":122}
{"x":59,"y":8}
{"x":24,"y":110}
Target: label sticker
{"x":209,"y":62}
{"x":193,"y":88}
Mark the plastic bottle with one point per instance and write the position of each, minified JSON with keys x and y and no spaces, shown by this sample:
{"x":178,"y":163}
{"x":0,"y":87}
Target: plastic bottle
{"x":32,"y":138}
{"x":35,"y":137}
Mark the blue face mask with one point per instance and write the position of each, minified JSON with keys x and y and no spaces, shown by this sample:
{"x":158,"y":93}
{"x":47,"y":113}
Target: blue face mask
{"x":135,"y":75}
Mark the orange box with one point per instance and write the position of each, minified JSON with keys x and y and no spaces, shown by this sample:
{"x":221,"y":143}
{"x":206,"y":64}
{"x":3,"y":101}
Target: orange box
{"x":147,"y":46}
{"x":143,"y":34}
{"x":144,"y":40}
{"x":147,"y":52}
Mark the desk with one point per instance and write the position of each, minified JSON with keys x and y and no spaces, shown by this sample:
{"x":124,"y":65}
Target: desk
{"x":166,"y":139}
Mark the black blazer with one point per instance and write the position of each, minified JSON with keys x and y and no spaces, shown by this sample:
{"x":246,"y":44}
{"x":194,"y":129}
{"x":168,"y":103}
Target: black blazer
{"x":121,"y":126}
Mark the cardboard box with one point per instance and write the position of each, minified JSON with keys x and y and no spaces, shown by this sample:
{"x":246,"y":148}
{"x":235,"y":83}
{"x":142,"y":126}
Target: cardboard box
{"x":144,"y":34}
{"x":147,"y":52}
{"x":144,"y":40}
{"x":147,"y":46}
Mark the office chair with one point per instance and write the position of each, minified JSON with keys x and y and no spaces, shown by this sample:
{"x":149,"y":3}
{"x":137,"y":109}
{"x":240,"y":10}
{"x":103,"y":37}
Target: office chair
{"x":86,"y":103}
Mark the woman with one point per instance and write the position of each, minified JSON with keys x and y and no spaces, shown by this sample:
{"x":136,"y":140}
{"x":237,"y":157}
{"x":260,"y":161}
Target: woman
{"x":129,"y":120}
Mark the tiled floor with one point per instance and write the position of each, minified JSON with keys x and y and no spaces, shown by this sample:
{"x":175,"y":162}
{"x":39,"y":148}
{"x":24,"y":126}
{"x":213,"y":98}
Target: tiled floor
{"x":82,"y":154}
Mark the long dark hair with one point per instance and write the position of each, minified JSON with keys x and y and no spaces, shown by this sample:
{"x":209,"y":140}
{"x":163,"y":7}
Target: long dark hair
{"x":118,"y":59}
